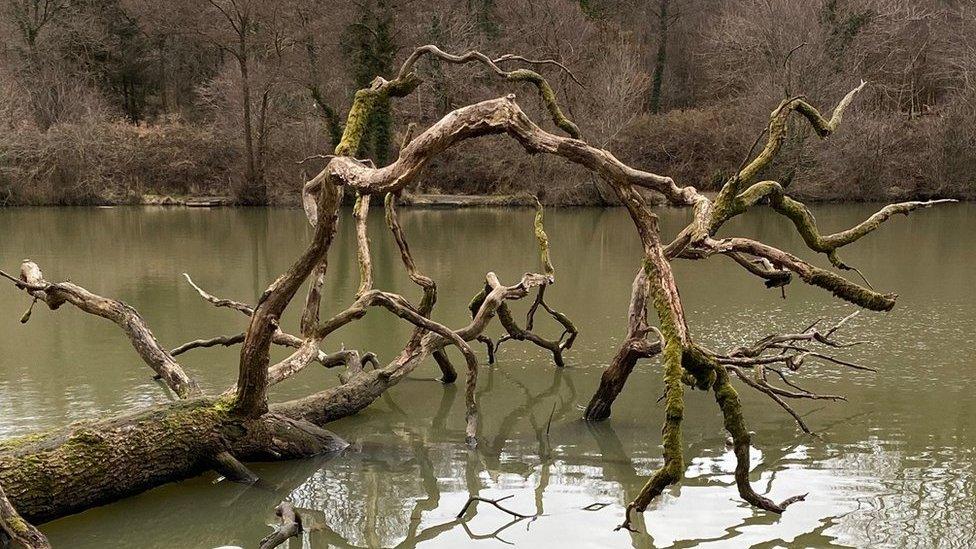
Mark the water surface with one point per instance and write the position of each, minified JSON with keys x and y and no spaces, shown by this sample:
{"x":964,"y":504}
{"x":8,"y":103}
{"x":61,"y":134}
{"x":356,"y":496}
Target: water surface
{"x":893,"y":466}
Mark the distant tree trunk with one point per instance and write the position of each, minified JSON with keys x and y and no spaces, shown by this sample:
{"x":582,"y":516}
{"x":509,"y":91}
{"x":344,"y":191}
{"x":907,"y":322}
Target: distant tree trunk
{"x":254,"y":191}
{"x":261,"y":153}
{"x":372,"y":44}
{"x":661,"y":58}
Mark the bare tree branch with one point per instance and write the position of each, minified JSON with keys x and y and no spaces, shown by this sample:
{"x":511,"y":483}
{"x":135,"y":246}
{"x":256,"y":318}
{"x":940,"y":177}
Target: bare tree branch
{"x":291,"y":526}
{"x":494,"y":502}
{"x":127,"y":318}
{"x":17,"y":529}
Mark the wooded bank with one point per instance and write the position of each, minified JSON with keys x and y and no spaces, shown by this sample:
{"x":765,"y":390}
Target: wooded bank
{"x":104,"y":101}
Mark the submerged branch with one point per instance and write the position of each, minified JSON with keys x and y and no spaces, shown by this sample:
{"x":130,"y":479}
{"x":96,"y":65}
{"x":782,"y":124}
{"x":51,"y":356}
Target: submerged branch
{"x":787,"y":349}
{"x":290,"y":526}
{"x":728,"y":400}
{"x":494,"y":502}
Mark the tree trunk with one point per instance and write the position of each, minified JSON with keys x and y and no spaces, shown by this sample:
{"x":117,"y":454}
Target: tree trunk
{"x":661,"y":58}
{"x":614,"y":377}
{"x":64,"y":471}
{"x":254,"y":191}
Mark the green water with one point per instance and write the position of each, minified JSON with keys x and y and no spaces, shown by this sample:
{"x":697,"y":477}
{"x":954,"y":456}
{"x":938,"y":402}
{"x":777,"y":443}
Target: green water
{"x":893,"y":466}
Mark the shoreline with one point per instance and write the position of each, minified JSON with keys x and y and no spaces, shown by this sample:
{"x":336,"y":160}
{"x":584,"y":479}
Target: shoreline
{"x":419,"y":201}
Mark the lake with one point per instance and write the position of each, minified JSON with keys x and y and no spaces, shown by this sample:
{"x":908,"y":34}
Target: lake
{"x":895,"y":465}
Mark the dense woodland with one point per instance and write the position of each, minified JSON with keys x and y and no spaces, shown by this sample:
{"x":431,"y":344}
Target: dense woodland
{"x":110,"y":100}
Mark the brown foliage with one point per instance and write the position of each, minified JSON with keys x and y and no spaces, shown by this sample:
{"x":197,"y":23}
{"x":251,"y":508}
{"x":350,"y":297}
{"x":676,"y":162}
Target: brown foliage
{"x":103,"y":67}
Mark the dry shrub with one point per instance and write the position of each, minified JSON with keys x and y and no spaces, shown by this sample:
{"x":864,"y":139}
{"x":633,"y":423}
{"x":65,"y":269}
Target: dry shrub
{"x":884,"y":157}
{"x":699,"y":147}
{"x":110,"y":162}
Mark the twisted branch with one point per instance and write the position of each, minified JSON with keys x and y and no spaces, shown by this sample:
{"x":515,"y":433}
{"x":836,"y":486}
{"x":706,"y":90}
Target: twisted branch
{"x":448,"y":373}
{"x":289,"y":366}
{"x":806,"y":224}
{"x":546,"y":92}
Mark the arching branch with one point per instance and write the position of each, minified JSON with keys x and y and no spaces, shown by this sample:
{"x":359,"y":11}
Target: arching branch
{"x":546,"y":92}
{"x":495,"y":117}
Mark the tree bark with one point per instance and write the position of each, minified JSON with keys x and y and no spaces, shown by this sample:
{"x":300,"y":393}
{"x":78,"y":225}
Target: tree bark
{"x":64,"y":471}
{"x":661,"y":58}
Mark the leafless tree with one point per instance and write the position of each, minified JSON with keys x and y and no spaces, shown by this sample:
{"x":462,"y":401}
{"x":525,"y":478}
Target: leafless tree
{"x":51,"y":474}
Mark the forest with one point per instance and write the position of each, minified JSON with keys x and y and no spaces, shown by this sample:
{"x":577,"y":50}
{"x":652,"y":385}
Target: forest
{"x":117,"y":101}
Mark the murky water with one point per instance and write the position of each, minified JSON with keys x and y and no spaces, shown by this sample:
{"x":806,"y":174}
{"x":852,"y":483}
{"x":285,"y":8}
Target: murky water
{"x":893,"y":466}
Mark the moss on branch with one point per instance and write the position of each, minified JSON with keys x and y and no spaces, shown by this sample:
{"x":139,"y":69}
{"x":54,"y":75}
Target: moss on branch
{"x":548,"y":97}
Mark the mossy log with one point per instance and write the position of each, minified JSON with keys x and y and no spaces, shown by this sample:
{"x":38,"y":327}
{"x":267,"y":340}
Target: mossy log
{"x":56,"y":473}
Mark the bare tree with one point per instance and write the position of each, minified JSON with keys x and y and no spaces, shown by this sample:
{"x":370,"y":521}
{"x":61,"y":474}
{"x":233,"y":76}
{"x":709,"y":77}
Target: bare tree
{"x":31,"y":17}
{"x":52,"y":474}
{"x":255,"y":36}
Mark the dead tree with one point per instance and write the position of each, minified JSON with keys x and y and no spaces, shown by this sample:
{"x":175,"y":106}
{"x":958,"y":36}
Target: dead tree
{"x":51,"y":474}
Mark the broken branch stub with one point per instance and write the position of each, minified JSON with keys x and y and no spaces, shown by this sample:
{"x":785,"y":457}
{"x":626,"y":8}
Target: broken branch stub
{"x":290,"y":525}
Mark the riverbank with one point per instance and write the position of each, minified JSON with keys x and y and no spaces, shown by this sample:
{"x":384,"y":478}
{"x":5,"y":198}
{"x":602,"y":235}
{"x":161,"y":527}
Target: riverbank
{"x":421,"y":200}
{"x":175,"y":162}
{"x":447,"y":201}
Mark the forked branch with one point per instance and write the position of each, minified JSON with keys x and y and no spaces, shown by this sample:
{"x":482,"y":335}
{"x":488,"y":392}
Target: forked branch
{"x":512,"y":328}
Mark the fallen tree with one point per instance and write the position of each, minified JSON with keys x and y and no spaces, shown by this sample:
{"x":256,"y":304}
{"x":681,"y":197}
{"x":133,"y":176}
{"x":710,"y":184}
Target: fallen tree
{"x":51,"y":474}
